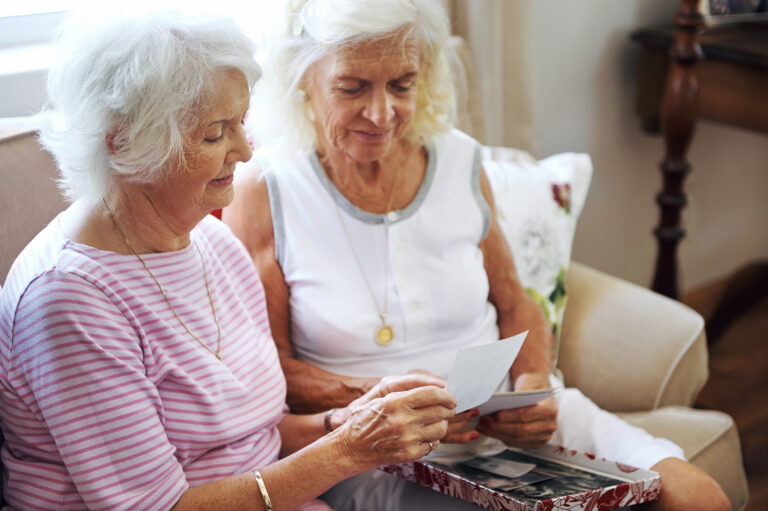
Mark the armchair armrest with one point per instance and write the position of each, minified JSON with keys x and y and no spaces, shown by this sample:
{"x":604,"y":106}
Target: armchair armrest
{"x":628,"y":348}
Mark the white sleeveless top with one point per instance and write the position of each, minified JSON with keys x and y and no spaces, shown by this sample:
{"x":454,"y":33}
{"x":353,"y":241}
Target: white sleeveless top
{"x":436,"y":286}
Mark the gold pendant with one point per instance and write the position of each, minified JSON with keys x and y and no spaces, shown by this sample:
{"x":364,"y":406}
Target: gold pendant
{"x":384,"y":335}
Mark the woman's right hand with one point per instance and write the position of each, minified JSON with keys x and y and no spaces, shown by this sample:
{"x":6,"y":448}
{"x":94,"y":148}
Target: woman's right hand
{"x":396,"y":421}
{"x":457,"y":425}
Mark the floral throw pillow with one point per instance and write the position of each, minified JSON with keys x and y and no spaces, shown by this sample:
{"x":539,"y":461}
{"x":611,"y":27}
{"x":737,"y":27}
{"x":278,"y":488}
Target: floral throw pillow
{"x":538,"y":203}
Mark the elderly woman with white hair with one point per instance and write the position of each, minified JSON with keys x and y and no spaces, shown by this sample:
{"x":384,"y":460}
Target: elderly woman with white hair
{"x":374,"y":231}
{"x":137,"y":369}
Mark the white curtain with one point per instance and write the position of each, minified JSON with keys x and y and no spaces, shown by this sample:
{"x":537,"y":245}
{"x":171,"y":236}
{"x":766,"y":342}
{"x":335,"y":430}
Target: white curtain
{"x":497,"y":33}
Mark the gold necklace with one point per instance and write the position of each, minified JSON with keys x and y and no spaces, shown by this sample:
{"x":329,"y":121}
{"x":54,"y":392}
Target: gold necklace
{"x":385,"y":333}
{"x":217,"y":353}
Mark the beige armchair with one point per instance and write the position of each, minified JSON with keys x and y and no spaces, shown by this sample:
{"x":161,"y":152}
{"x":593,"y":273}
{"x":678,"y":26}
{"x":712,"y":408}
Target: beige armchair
{"x":629,"y":349}
{"x":644,"y":356}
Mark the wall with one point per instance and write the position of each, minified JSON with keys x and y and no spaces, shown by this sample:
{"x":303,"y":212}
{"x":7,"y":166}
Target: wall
{"x":558,"y":76}
{"x":573,"y":72}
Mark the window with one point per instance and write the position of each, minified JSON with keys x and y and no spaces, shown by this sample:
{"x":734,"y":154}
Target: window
{"x":31,"y":21}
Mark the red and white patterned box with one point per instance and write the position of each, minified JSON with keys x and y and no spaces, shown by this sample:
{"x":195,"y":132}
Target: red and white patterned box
{"x":581,"y":482}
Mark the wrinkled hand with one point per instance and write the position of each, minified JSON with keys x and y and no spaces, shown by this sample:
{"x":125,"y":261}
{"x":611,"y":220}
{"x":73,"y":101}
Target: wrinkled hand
{"x":396,"y":421}
{"x":457,"y":423}
{"x":530,"y":426}
{"x":397,"y":383}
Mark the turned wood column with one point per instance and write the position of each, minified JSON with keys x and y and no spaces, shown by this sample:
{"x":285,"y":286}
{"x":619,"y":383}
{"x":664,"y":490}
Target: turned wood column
{"x":678,"y":117}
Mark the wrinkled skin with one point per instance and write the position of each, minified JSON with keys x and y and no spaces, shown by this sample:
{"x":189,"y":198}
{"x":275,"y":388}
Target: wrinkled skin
{"x":396,"y":420}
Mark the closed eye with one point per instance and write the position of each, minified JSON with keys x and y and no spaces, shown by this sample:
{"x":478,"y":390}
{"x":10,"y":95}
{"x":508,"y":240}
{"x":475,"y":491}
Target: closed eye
{"x":350,"y":91}
{"x":350,"y":86}
{"x":404,"y":83}
{"x":401,"y":88}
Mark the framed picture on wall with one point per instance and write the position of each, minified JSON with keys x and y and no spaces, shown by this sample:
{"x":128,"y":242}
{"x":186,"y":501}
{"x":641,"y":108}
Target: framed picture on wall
{"x":729,"y":11}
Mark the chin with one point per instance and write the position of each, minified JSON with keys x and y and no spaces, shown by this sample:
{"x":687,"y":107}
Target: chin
{"x":368,"y":154}
{"x":220,"y":198}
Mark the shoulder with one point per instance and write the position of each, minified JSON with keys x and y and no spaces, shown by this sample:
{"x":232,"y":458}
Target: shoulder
{"x":213,"y":229}
{"x":60,"y":311}
{"x":456,"y":155}
{"x":218,"y":243}
{"x":454,"y":149}
{"x":218,"y":238}
{"x":54,"y":290}
{"x":455,"y":139}
{"x":249,"y":214}
{"x":45,"y":252}
{"x":271,"y":177}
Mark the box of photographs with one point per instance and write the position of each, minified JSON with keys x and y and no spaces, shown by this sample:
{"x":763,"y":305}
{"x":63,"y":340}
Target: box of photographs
{"x":543,"y":479}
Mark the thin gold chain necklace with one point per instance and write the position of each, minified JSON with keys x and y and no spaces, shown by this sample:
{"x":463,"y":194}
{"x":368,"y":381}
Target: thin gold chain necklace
{"x":216,"y":353}
{"x":385,"y":333}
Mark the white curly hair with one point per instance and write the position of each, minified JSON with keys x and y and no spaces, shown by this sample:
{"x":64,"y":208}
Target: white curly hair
{"x":140,"y":78}
{"x":307,"y":30}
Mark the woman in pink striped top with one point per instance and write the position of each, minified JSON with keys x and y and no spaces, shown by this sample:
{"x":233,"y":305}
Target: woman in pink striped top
{"x":137,"y":369}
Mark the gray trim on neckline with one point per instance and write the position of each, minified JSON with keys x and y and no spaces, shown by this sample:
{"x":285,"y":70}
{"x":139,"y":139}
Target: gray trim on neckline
{"x":375,"y":218}
{"x":485,"y":210}
{"x":276,"y":208}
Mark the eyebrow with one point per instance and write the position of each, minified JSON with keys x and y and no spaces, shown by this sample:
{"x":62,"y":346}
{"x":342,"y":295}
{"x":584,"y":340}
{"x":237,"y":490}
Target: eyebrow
{"x":225,"y":120}
{"x":409,"y":74}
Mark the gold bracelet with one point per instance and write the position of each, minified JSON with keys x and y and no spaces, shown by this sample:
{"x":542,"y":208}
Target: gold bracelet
{"x":262,"y":489}
{"x":327,"y":419}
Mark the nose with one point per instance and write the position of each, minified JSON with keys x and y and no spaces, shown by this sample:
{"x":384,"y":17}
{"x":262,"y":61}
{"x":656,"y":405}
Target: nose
{"x":241,"y":149}
{"x":379,"y":109}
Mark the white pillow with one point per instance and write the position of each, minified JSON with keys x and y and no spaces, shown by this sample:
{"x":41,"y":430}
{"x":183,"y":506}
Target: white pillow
{"x":538,"y":204}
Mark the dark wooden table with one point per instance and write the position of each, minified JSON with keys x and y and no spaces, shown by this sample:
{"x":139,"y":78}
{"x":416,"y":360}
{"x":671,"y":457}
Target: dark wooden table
{"x":732,"y":76}
{"x":690,"y":71}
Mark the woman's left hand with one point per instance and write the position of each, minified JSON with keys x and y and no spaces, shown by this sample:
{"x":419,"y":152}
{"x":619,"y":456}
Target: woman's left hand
{"x":530,"y":426}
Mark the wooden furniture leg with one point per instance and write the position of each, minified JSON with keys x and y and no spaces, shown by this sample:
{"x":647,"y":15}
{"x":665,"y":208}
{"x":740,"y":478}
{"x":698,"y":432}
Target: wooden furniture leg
{"x":677,"y":119}
{"x":745,"y":289}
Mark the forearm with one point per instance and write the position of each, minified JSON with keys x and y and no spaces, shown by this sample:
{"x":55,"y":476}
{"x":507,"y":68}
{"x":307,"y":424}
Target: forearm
{"x":516,"y":309}
{"x":312,"y":389}
{"x":536,"y":353}
{"x":297,"y":431}
{"x":290,"y":482}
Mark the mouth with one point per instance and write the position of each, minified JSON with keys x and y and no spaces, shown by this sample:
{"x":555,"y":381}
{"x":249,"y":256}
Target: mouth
{"x":372,"y":135}
{"x":223,"y":181}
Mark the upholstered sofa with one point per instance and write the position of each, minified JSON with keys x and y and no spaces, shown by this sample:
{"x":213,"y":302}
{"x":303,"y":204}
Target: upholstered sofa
{"x":632,"y":351}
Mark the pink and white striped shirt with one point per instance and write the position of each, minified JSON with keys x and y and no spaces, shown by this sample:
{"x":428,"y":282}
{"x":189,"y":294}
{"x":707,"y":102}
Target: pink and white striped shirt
{"x":106,"y":402}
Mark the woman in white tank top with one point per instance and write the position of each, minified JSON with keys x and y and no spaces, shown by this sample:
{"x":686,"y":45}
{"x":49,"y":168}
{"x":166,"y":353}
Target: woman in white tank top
{"x":373,"y":228}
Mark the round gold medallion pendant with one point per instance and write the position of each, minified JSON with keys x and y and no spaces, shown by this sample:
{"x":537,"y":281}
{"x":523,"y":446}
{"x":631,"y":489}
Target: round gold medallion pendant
{"x":384,"y":335}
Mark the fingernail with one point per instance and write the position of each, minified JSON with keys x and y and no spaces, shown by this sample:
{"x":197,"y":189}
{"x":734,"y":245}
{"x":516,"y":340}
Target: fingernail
{"x":474,"y":436}
{"x":475,"y":412}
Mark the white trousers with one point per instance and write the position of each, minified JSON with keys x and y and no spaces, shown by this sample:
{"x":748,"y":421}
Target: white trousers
{"x":585,"y":427}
